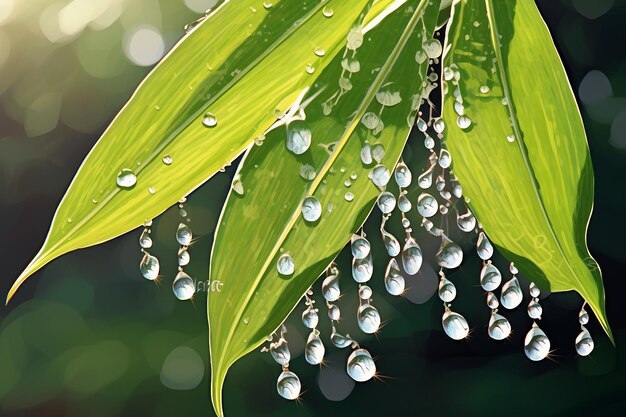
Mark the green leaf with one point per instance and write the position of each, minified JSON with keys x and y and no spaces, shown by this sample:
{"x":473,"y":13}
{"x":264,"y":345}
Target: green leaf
{"x":241,"y":63}
{"x":262,"y":219}
{"x":524,"y":161}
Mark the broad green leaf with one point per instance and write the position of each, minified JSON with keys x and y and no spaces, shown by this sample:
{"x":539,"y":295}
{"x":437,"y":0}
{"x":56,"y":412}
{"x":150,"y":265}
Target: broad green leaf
{"x":524,"y":161}
{"x":241,"y":63}
{"x":262,"y":219}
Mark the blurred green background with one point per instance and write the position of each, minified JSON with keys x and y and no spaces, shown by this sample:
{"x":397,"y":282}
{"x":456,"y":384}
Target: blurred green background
{"x":88,"y":336}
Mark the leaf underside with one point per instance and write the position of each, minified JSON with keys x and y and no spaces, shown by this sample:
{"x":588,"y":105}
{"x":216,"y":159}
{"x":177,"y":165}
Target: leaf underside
{"x":524,"y":161}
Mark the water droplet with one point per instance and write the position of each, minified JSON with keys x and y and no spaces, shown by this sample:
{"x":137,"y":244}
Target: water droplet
{"x":583,"y":316}
{"x":366,"y":154}
{"x":380,"y":176}
{"x":433,"y":48}
{"x":311,"y":209}
{"x":386,"y":202}
{"x":499,"y":327}
{"x":308,"y":172}
{"x":391,"y":243}
{"x":403,"y":175}
{"x":490,"y":277}
{"x":425,"y":180}
{"x":360,"y":247}
{"x":328,"y":11}
{"x":584,"y":343}
{"x":126,"y":178}
{"x":370,"y":120}
{"x":514,"y":271}
{"x":280,"y":352}
{"x":314,"y":350}
{"x":447,"y":290}
{"x":183,"y":286}
{"x":534,"y":310}
{"x":183,"y":234}
{"x":349,"y":196}
{"x":237,"y":185}
{"x":463,"y":122}
{"x":427,"y":205}
{"x":411,"y":257}
{"x":420,"y":56}
{"x":361,"y":366}
{"x":484,"y":89}
{"x":511,"y":294}
{"x":378,"y":152}
{"x":466,"y":222}
{"x":536,"y":344}
{"x":167,"y":160}
{"x":319,"y":52}
{"x":267,"y":5}
{"x":352,"y":65}
{"x":439,"y":125}
{"x":404,"y":204}
{"x":368,"y":319}
{"x":145,"y":241}
{"x":209,"y":120}
{"x":362,"y":269}
{"x":285,"y":265}
{"x":511,"y":138}
{"x":151,"y":190}
{"x":333,"y":312}
{"x":310,"y":317}
{"x":149,"y":267}
{"x":450,"y":254}
{"x":330,"y":287}
{"x":448,"y":74}
{"x":394,"y":281}
{"x":365,"y":292}
{"x":459,"y":109}
{"x":533,"y":289}
{"x":454,"y":325}
{"x":298,"y":137}
{"x":310,"y":69}
{"x":445,"y":160}
{"x":483,"y":247}
{"x":340,"y":341}
{"x":355,"y":39}
{"x":389,"y":95}
{"x":492,"y":301}
{"x":288,"y":385}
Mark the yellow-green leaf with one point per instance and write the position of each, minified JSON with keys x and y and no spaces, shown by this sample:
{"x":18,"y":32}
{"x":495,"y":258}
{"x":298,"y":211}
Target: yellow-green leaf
{"x":523,"y":160}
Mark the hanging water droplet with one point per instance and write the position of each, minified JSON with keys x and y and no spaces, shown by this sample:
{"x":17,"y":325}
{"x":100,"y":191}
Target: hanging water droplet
{"x":425,"y":180}
{"x":466,"y":222}
{"x":310,"y":317}
{"x":404,"y":204}
{"x":411,"y":257}
{"x":447,"y":290}
{"x":311,"y":209}
{"x":314,"y":350}
{"x":534,"y":310}
{"x":420,"y":56}
{"x":483,"y":247}
{"x":368,"y":319}
{"x":439,"y":125}
{"x":427,"y":205}
{"x":330,"y":288}
{"x":280,"y":352}
{"x":183,"y":257}
{"x":334,"y":313}
{"x":511,"y":294}
{"x":361,"y":366}
{"x":209,"y":120}
{"x":183,"y":286}
{"x":433,"y":48}
{"x":285,"y":265}
{"x":583,"y":316}
{"x":463,"y":122}
{"x":380,"y":176}
{"x":459,"y":108}
{"x":386,"y":202}
{"x":403,"y":175}
{"x":360,"y":247}
{"x":492,"y":301}
{"x":149,"y":267}
{"x":514,"y":271}
{"x":454,"y":325}
{"x":355,"y":39}
{"x":145,"y":241}
{"x":450,"y":254}
{"x":536,"y":344}
{"x":362,"y":269}
{"x":370,"y":120}
{"x":389,"y":95}
{"x":126,"y":178}
{"x":340,"y":341}
{"x":584,"y":342}
{"x":394,"y":281}
{"x":490,"y":277}
{"x":429,"y":143}
{"x":499,"y":327}
{"x":288,"y":385}
{"x":533,"y":289}
{"x":365,"y":292}
{"x":183,"y":234}
{"x":391,"y":243}
{"x":457,"y":190}
{"x":421,"y":124}
{"x":267,"y":5}
{"x":167,"y":160}
{"x":445,"y":160}
{"x":237,"y":185}
{"x":298,"y":137}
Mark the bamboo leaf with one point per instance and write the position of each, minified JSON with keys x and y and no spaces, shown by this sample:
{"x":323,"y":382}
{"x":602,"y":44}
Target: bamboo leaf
{"x":262,"y":218}
{"x":523,"y":160}
{"x":241,"y":63}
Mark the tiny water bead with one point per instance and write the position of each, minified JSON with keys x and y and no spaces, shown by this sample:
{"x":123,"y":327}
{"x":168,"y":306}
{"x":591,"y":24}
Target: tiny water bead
{"x":391,"y":243}
{"x":149,"y":267}
{"x":320,"y":52}
{"x":145,"y":241}
{"x":534,"y":310}
{"x":267,"y":5}
{"x":583,"y":316}
{"x":361,"y":366}
{"x":183,"y":257}
{"x":365,"y":292}
{"x":285,"y":265}
{"x":370,"y":120}
{"x":454,"y":325}
{"x":499,"y":327}
{"x":360,"y":247}
{"x":209,"y":120}
{"x":492,"y":301}
{"x":167,"y":159}
{"x":298,"y":137}
{"x":183,"y":286}
{"x":534,"y":290}
{"x":288,"y":385}
{"x":328,"y":12}
{"x":126,"y":178}
{"x":183,"y":234}
{"x":311,"y":209}
{"x":349,"y":196}
{"x":308,"y":172}
{"x":536,"y":344}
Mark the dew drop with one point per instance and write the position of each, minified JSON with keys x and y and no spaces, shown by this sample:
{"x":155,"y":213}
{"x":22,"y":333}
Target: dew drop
{"x":450,"y":255}
{"x":320,"y":52}
{"x":404,"y":204}
{"x":285,"y":265}
{"x":310,"y":319}
{"x":365,"y":292}
{"x":360,"y":247}
{"x":380,"y":176}
{"x":310,"y":69}
{"x":427,"y":205}
{"x":368,"y":318}
{"x":534,"y":310}
{"x":209,"y":120}
{"x":391,"y":243}
{"x":455,"y":325}
{"x":145,"y":241}
{"x":308,"y":172}
{"x":411,"y":257}
{"x":183,"y":286}
{"x":389,"y":95}
{"x":333,"y":312}
{"x":403,"y":175}
{"x":492,"y":300}
{"x":314,"y":350}
{"x":328,"y":11}
{"x":311,"y":209}
{"x":149,"y":267}
{"x":355,"y":39}
{"x":366,"y":154}
{"x":536,"y":344}
{"x":183,"y":234}
{"x":483,"y":247}
{"x":463,"y":122}
{"x":447,"y":290}
{"x":298,"y":137}
{"x":386,"y":202}
{"x":583,"y":316}
{"x":167,"y":160}
{"x":361,"y":366}
{"x":288,"y":385}
{"x":330,"y":288}
{"x":490,"y":277}
{"x":183,"y":257}
{"x":394,"y":281}
{"x":510,"y":138}
{"x":499,"y":327}
{"x":126,"y":178}
{"x":370,"y":120}
{"x":584,"y":343}
{"x":362,"y":269}
{"x":511,"y":294}
{"x":280,"y":352}
{"x":466,"y":222}
{"x":433,"y":48}
{"x":349,"y":196}
{"x":445,"y":160}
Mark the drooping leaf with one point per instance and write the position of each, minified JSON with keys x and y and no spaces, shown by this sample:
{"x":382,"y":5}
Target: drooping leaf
{"x":522,"y":156}
{"x":240,"y":64}
{"x":262,"y":218}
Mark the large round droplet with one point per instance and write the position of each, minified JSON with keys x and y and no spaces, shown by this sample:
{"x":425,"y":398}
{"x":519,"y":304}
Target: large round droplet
{"x":404,"y":204}
{"x":126,"y":178}
{"x":330,"y":288}
{"x":361,"y":366}
{"x":368,"y":318}
{"x":311,"y":209}
{"x":280,"y":352}
{"x":534,"y":310}
{"x":427,"y":205}
{"x":183,"y":234}
{"x":511,"y":294}
{"x":209,"y":120}
{"x":310,"y":317}
{"x":584,"y":343}
{"x":499,"y":327}
{"x":386,"y":202}
{"x":391,"y":243}
{"x":483,"y":247}
{"x":447,"y":290}
{"x":455,"y":325}
{"x":425,"y":180}
{"x":360,"y":247}
{"x":149,"y":267}
{"x":389,"y":94}
{"x":394,"y":281}
{"x":298,"y":137}
{"x":445,"y":160}
{"x":354,"y":39}
{"x":490,"y":277}
{"x":380,"y":176}
{"x":334,"y":313}
{"x":362,"y":269}
{"x":314,"y":350}
{"x":183,"y":286}
{"x":366,"y":154}
{"x":466,"y":222}
{"x":432,"y":48}
{"x":411,"y":257}
{"x":450,"y":255}
{"x":403,"y":175}
{"x":536,"y":344}
{"x":288,"y":385}
{"x":285,"y":265}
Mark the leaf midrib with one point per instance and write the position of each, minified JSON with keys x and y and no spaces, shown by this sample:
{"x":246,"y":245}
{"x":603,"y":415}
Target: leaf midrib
{"x":371,"y":93}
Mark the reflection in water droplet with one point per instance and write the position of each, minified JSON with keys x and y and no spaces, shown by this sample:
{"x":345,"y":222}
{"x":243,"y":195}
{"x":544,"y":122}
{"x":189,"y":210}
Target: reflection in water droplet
{"x":285,"y":265}
{"x":288,"y":385}
{"x":310,"y":317}
{"x":183,"y":286}
{"x":450,"y":255}
{"x":361,"y":366}
{"x":454,"y":325}
{"x":386,"y":202}
{"x":404,"y":204}
{"x":330,"y":287}
{"x":391,"y":243}
{"x":311,"y":209}
{"x":483,"y":247}
{"x":365,"y":292}
{"x":490,"y":277}
{"x":403,"y":175}
{"x":411,"y":257}
{"x":583,"y":316}
{"x":360,"y":247}
{"x":209,"y":120}
{"x":145,"y":241}
{"x":463,"y":122}
{"x":466,"y":222}
{"x":126,"y":178}
{"x":314,"y":350}
{"x":167,"y":160}
{"x":368,"y":319}
{"x":584,"y":342}
{"x":499,"y":327}
{"x":183,"y":234}
{"x":427,"y":205}
{"x":447,"y":290}
{"x":394,"y":281}
{"x":298,"y":137}
{"x":380,"y":176}
{"x":349,"y":196}
{"x":328,"y":11}
{"x":536,"y":344}
{"x":534,"y":310}
{"x":149,"y":267}
{"x":389,"y":95}
{"x":511,"y":294}
{"x":362,"y":269}
{"x":280,"y":352}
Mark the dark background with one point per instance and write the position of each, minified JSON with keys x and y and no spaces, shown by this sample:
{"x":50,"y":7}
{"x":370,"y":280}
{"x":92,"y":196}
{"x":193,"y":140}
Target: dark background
{"x":88,"y":336}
